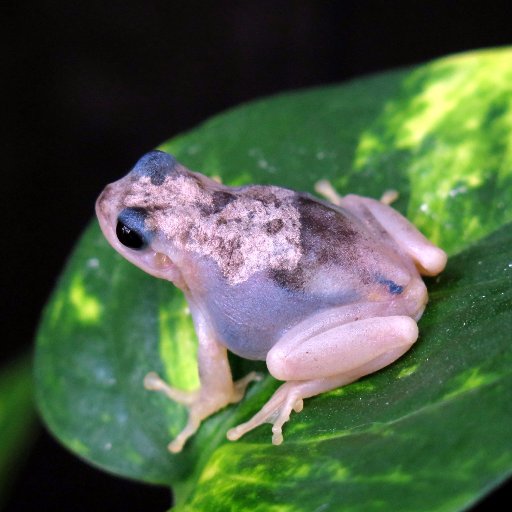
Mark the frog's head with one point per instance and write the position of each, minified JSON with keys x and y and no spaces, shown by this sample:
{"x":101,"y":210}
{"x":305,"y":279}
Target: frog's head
{"x":142,"y":215}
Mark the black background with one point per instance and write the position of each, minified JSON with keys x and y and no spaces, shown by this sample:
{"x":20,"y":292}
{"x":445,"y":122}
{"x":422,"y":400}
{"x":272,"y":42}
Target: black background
{"x":89,"y":86}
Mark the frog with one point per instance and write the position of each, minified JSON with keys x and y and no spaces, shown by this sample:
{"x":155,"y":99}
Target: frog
{"x":324,"y":290}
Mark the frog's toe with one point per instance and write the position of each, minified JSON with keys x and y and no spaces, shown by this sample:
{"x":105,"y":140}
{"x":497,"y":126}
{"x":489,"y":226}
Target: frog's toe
{"x":276,"y":411}
{"x":240,"y":386}
{"x":389,"y":196}
{"x":153,"y":382}
{"x":325,"y":189}
{"x":277,"y":435}
{"x":176,"y":446}
{"x":194,"y":420}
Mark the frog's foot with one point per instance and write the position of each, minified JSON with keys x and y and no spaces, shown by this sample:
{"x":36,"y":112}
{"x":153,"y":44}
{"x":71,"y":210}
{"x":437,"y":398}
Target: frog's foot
{"x":276,"y":411}
{"x":325,"y":189}
{"x":240,"y":386}
{"x":389,"y":196}
{"x":200,"y":403}
{"x":153,"y":382}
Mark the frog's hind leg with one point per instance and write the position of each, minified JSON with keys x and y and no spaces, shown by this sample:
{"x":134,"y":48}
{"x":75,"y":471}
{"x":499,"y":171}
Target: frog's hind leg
{"x":429,"y":259}
{"x":314,"y":363}
{"x":288,"y":397}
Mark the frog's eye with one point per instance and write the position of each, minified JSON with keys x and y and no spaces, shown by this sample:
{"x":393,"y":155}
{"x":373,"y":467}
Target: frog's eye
{"x":128,"y":236}
{"x":130,"y":228}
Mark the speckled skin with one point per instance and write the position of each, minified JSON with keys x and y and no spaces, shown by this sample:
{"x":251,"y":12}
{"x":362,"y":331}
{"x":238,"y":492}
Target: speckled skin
{"x":324,"y":293}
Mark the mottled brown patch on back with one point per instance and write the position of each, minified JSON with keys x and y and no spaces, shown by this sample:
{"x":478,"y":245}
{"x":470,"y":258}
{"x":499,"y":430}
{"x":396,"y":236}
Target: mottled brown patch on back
{"x":325,"y":232}
{"x":329,"y":240}
{"x":220,"y":199}
{"x":274,"y":226}
{"x":294,"y":280}
{"x":265,"y":195}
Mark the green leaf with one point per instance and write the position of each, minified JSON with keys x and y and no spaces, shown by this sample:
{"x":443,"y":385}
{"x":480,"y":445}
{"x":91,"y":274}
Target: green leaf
{"x":430,"y":432}
{"x":17,"y":420}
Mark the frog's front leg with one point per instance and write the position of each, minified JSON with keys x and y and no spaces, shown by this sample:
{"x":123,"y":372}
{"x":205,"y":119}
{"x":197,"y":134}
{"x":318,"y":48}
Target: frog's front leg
{"x":318,"y":355}
{"x":217,"y":388}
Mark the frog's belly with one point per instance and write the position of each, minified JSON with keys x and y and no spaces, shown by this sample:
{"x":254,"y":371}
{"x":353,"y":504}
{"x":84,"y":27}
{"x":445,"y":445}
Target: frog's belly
{"x":251,"y":317}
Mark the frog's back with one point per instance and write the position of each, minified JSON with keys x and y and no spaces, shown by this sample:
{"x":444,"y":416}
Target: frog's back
{"x":341,"y":253}
{"x":340,"y":263}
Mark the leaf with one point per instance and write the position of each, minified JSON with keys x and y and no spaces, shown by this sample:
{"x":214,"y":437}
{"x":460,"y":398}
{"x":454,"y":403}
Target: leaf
{"x":17,"y":419}
{"x":427,"y":433}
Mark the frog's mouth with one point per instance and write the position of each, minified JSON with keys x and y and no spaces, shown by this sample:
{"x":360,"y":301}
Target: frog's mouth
{"x":155,"y":263}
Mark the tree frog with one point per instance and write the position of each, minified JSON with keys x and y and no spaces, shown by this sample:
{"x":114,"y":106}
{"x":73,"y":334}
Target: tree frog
{"x":324,"y":291}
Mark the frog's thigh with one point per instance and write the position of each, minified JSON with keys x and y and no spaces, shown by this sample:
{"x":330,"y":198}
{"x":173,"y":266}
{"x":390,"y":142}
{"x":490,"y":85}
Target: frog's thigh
{"x":353,"y":349}
{"x":429,"y":259}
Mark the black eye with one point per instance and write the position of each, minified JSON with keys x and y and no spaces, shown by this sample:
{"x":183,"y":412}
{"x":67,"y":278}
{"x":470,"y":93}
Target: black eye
{"x":130,"y":229}
{"x":129,"y":237}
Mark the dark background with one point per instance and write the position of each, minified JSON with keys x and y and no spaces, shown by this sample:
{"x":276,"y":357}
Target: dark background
{"x":92,"y":85}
